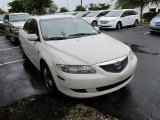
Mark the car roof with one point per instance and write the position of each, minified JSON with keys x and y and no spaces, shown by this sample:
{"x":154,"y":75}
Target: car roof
{"x":44,"y":17}
{"x":123,"y":10}
{"x":17,"y":13}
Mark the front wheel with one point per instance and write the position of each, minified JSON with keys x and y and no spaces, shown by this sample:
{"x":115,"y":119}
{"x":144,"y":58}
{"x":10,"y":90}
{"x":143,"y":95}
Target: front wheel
{"x":136,"y":23}
{"x":47,"y":77}
{"x":23,"y":53}
{"x":119,"y":26}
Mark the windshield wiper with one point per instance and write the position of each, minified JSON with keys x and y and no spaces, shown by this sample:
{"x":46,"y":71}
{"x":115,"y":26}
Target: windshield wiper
{"x":83,"y":34}
{"x":56,"y":38}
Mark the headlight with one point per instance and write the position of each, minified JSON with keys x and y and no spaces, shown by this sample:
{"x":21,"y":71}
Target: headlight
{"x":131,"y":54}
{"x":152,"y":23}
{"x":76,"y":69}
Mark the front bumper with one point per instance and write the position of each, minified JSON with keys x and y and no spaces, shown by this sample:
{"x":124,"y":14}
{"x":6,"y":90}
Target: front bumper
{"x":92,"y":85}
{"x":154,"y":28}
{"x":107,"y":25}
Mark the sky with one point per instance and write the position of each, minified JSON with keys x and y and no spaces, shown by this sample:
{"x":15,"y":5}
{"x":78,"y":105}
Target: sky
{"x":62,"y":3}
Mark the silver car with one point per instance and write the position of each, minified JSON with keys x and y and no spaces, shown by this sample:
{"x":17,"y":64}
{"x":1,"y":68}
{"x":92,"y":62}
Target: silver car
{"x":155,"y":24}
{"x":13,"y":22}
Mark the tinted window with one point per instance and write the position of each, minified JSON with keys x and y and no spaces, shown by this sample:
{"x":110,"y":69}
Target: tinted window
{"x":126,"y":13}
{"x":115,"y":13}
{"x":6,"y":17}
{"x":31,"y":27}
{"x":102,"y":14}
{"x":27,"y":25}
{"x":92,"y":14}
{"x":34,"y":27}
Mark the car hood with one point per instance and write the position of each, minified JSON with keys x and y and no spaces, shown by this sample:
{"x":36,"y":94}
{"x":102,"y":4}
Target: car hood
{"x":18,"y":24}
{"x":156,"y":19}
{"x":108,"y":18}
{"x":88,"y":50}
{"x":88,"y":18}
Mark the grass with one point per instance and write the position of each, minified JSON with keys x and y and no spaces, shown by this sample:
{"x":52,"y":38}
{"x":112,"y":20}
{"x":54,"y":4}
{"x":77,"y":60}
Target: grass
{"x":144,"y":23}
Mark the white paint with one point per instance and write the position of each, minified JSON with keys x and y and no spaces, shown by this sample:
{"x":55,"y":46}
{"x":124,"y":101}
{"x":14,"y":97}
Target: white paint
{"x":9,"y":48}
{"x":12,"y":62}
{"x":146,"y":33}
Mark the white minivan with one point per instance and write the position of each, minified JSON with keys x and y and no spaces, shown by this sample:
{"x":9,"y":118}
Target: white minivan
{"x":119,"y":18}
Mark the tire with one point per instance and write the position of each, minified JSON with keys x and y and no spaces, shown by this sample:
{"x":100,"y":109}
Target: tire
{"x":23,"y":53}
{"x":135,"y":23}
{"x":13,"y":39}
{"x":152,"y":32}
{"x":7,"y":37}
{"x":119,"y":26}
{"x":48,"y":79}
{"x":94,"y":24}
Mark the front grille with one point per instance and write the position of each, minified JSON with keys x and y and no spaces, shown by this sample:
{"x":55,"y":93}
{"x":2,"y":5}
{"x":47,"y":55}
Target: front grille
{"x":116,"y":67}
{"x":103,"y":22}
{"x":157,"y":23}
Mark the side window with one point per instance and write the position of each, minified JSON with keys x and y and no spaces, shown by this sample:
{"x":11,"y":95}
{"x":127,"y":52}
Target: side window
{"x":34,"y":27}
{"x":135,"y":13}
{"x":6,"y":17}
{"x":27,"y":25}
{"x":100,"y":14}
{"x":31,"y":27}
{"x":126,"y":13}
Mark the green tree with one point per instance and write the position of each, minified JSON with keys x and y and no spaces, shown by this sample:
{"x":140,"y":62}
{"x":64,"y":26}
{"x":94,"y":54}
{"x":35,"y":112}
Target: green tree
{"x":135,"y":3}
{"x":1,"y":11}
{"x":16,"y":6}
{"x":101,"y":6}
{"x":78,"y":8}
{"x":30,"y":6}
{"x":63,"y":9}
{"x":93,"y":7}
{"x":53,"y":8}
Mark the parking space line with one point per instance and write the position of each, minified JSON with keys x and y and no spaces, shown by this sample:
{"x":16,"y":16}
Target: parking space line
{"x":12,"y":62}
{"x":9,"y":48}
{"x":146,"y":33}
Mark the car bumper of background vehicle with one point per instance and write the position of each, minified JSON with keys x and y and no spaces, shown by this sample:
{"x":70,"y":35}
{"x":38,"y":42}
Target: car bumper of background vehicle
{"x":92,"y":85}
{"x":154,"y":28}
{"x":108,"y":25}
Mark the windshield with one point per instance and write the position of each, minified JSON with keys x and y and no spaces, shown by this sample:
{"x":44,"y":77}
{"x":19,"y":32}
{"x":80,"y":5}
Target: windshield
{"x":1,"y":17}
{"x":63,"y":28}
{"x":82,"y":14}
{"x":92,"y":14}
{"x":19,"y":17}
{"x":113,"y":14}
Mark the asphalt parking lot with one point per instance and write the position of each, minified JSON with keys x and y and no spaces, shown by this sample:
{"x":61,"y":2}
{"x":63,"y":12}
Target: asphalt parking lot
{"x":137,"y":101}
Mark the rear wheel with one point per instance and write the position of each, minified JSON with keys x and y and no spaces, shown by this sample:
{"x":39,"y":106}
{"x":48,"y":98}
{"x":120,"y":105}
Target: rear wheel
{"x":47,"y":77}
{"x":119,"y":26}
{"x":13,"y":39}
{"x":94,"y":23}
{"x":152,"y":32}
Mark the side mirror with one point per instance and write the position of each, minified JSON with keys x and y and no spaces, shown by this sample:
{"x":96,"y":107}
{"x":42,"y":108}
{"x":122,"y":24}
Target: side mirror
{"x":6,"y":21}
{"x":32,"y":37}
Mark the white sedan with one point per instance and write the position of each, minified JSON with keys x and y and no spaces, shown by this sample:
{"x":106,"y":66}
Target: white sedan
{"x":119,"y":18}
{"x":75,"y":58}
